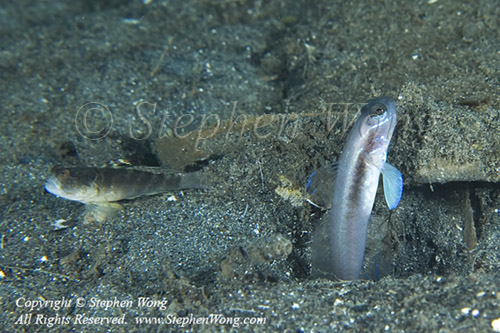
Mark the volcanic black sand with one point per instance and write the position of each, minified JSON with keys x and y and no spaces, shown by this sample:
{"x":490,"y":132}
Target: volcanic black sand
{"x":256,"y":95}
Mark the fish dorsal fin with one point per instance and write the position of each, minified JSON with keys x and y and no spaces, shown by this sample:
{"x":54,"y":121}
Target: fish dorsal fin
{"x":393,"y":185}
{"x":320,"y":185}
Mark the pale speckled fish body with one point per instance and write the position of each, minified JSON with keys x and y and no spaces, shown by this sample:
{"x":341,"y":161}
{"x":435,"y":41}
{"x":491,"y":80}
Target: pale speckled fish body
{"x":339,"y":242}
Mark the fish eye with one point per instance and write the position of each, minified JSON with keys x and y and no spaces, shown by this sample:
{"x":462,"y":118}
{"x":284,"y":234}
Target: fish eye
{"x":63,"y":173}
{"x":377,"y":110}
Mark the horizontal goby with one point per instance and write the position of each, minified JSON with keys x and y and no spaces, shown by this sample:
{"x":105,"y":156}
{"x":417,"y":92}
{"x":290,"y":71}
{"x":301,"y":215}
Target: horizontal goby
{"x":102,"y":185}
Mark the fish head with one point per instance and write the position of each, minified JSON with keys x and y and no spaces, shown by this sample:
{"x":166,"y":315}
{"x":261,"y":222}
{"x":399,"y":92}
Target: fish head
{"x":378,"y":118}
{"x":63,"y":183}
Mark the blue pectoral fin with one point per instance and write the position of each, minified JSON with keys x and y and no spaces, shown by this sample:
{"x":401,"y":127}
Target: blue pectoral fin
{"x":393,"y":185}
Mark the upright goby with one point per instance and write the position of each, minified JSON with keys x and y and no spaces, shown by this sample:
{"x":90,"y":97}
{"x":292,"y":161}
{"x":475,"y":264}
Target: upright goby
{"x":338,"y":244}
{"x":101,"y":188}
